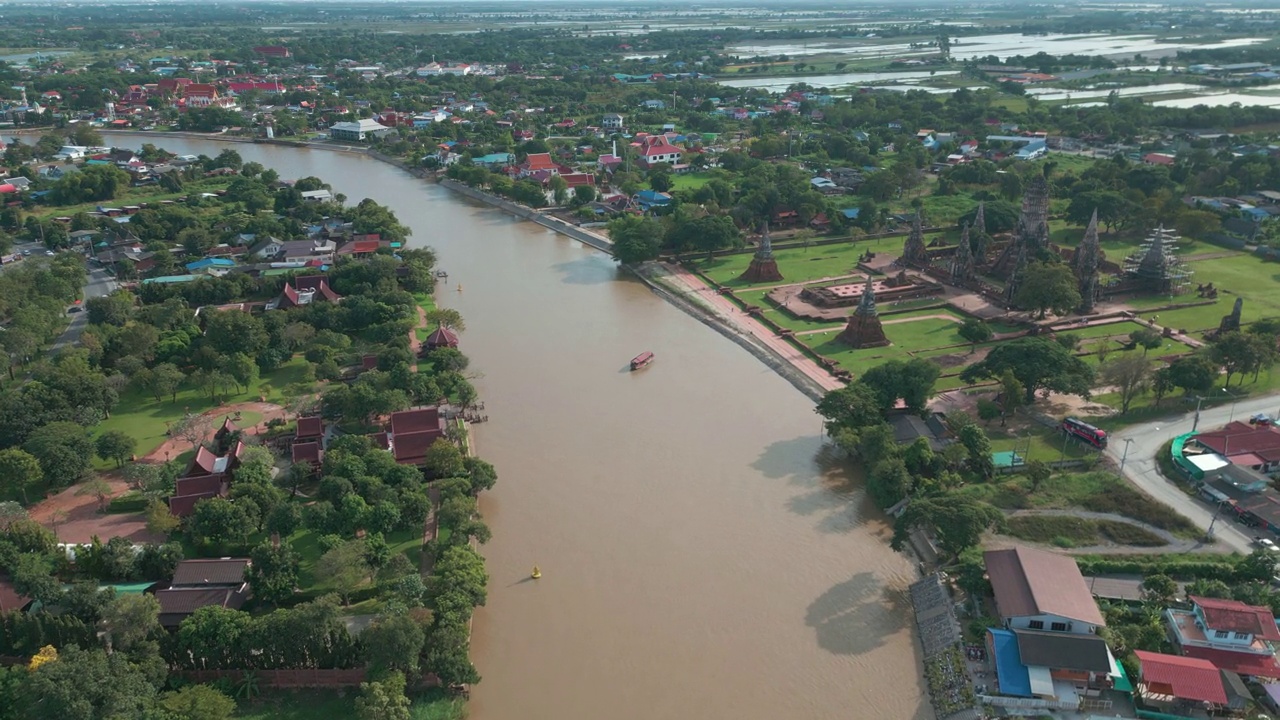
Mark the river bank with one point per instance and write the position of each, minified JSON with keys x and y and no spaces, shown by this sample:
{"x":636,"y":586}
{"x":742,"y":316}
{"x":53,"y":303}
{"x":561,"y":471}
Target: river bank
{"x":657,"y":504}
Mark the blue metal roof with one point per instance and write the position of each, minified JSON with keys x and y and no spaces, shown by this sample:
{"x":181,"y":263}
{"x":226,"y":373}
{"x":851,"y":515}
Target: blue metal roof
{"x":1012,"y":674}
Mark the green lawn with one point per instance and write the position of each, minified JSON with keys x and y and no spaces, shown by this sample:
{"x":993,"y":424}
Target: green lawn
{"x":136,"y":196}
{"x":799,"y":265}
{"x":691,"y":181}
{"x":321,"y":704}
{"x":307,"y":544}
{"x":145,"y":420}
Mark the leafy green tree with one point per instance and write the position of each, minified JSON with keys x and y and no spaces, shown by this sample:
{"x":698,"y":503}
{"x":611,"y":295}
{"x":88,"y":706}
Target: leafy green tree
{"x":393,"y":643}
{"x":1146,"y":338}
{"x":446,"y":655}
{"x":344,"y":567}
{"x":889,"y":482}
{"x":852,"y":407}
{"x":911,"y":381}
{"x":635,"y":238}
{"x":131,"y":620}
{"x":1239,"y":352}
{"x":218,"y":521}
{"x":1159,"y":590}
{"x":958,"y":523}
{"x":443,"y":459}
{"x":273,"y":574}
{"x":1038,"y":364}
{"x":1195,"y":374}
{"x":988,"y":410}
{"x":19,"y":470}
{"x":1038,"y":473}
{"x":1130,"y":376}
{"x":115,"y":445}
{"x":64,"y":451}
{"x":159,"y":520}
{"x":978,"y":446}
{"x":198,"y":702}
{"x":975,"y":331}
{"x":1048,"y":286}
{"x":383,"y":700}
{"x":86,"y":685}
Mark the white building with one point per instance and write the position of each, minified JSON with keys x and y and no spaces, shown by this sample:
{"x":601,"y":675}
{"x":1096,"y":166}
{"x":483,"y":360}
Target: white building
{"x":357,"y":131}
{"x":612,"y":121}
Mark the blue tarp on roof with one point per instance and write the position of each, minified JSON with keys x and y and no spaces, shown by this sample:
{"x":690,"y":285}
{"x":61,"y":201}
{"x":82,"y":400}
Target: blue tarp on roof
{"x":1012,"y":674}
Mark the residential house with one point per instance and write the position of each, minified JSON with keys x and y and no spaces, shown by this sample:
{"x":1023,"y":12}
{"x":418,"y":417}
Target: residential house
{"x":1049,"y":645}
{"x":203,"y":583}
{"x":214,"y":266}
{"x":304,"y":291}
{"x":649,"y":199}
{"x":273,"y":51}
{"x":266,"y":248}
{"x":654,"y":105}
{"x":1232,"y":635}
{"x":10,"y":599}
{"x":1156,"y":158}
{"x":358,"y":131}
{"x":1032,"y":150}
{"x":612,"y":121}
{"x":412,"y":432}
{"x":207,"y":476}
{"x":317,"y":249}
{"x":1172,"y":683}
{"x":362,"y":246}
{"x":659,"y":151}
{"x":909,"y":427}
{"x":321,"y":195}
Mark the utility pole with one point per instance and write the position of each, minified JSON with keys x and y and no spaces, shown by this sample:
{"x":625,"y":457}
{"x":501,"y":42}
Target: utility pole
{"x":1196,"y":422}
{"x":1125,"y":456}
{"x":1208,"y":534}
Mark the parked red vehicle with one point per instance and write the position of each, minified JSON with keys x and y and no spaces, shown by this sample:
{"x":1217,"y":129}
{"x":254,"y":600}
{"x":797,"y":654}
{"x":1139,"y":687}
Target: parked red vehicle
{"x":1084,"y":432}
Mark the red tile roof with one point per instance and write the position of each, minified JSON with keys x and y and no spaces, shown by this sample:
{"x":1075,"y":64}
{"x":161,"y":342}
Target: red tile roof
{"x":1028,"y":582}
{"x":411,"y":448}
{"x":199,"y":485}
{"x":538,"y":161}
{"x":369,"y":362}
{"x":1238,"y":438}
{"x":177,"y":603}
{"x":319,"y":283}
{"x":182,"y":506}
{"x":203,"y":462}
{"x":308,"y":452}
{"x":1236,"y":616}
{"x":442,"y":337}
{"x":661,"y":149}
{"x":415,"y":420}
{"x":310,"y":427}
{"x":1182,"y":677}
{"x":1237,"y":662}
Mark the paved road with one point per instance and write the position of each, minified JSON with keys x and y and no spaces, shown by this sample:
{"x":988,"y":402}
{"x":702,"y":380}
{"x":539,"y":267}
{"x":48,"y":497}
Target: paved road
{"x":99,"y":283}
{"x":1141,"y":470}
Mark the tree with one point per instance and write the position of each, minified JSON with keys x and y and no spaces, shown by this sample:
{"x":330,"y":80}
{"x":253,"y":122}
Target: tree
{"x":344,"y":567}
{"x":218,"y":521}
{"x":443,"y":459}
{"x":988,"y":410}
{"x":63,"y":450}
{"x":852,"y":407}
{"x":1146,"y":338}
{"x":1037,"y":472}
{"x":131,"y":620}
{"x":384,"y":700}
{"x":97,"y":488}
{"x":1159,"y":590}
{"x":1195,"y":374}
{"x":911,"y":381}
{"x":198,"y":702}
{"x":958,"y":523}
{"x":889,"y":482}
{"x":192,"y":428}
{"x":583,"y":194}
{"x":1012,"y":395}
{"x":393,"y":642}
{"x":159,"y":520}
{"x":635,"y":238}
{"x":1048,"y":286}
{"x":1239,"y":352}
{"x":978,"y":446}
{"x":975,"y":331}
{"x":19,"y":470}
{"x":86,"y":685}
{"x":273,"y":574}
{"x":1130,"y":376}
{"x":115,"y":445}
{"x":243,"y":370}
{"x":1037,"y":363}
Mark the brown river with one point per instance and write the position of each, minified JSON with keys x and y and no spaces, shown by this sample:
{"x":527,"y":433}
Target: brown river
{"x":702,"y":556}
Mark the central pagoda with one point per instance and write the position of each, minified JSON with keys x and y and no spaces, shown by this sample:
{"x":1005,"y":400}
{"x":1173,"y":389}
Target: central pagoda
{"x":864,"y":329}
{"x":763,"y":267}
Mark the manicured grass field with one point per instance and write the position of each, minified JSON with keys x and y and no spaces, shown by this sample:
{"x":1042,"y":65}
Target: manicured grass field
{"x":690,"y":181}
{"x":144,"y":419}
{"x":801,"y":264}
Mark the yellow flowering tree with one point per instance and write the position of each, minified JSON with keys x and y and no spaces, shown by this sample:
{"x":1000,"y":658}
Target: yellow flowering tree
{"x":48,"y":653}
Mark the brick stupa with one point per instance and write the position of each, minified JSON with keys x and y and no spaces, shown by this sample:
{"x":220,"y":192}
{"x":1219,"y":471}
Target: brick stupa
{"x":763,"y":267}
{"x":864,"y":329}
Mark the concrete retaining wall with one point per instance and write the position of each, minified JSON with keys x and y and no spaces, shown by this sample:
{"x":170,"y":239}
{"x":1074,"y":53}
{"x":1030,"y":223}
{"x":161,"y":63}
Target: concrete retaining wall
{"x":526,"y":213}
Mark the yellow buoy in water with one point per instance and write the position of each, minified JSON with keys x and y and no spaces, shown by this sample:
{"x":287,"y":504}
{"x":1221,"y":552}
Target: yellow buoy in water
{"x":459,"y":287}
{"x":536,"y":573}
